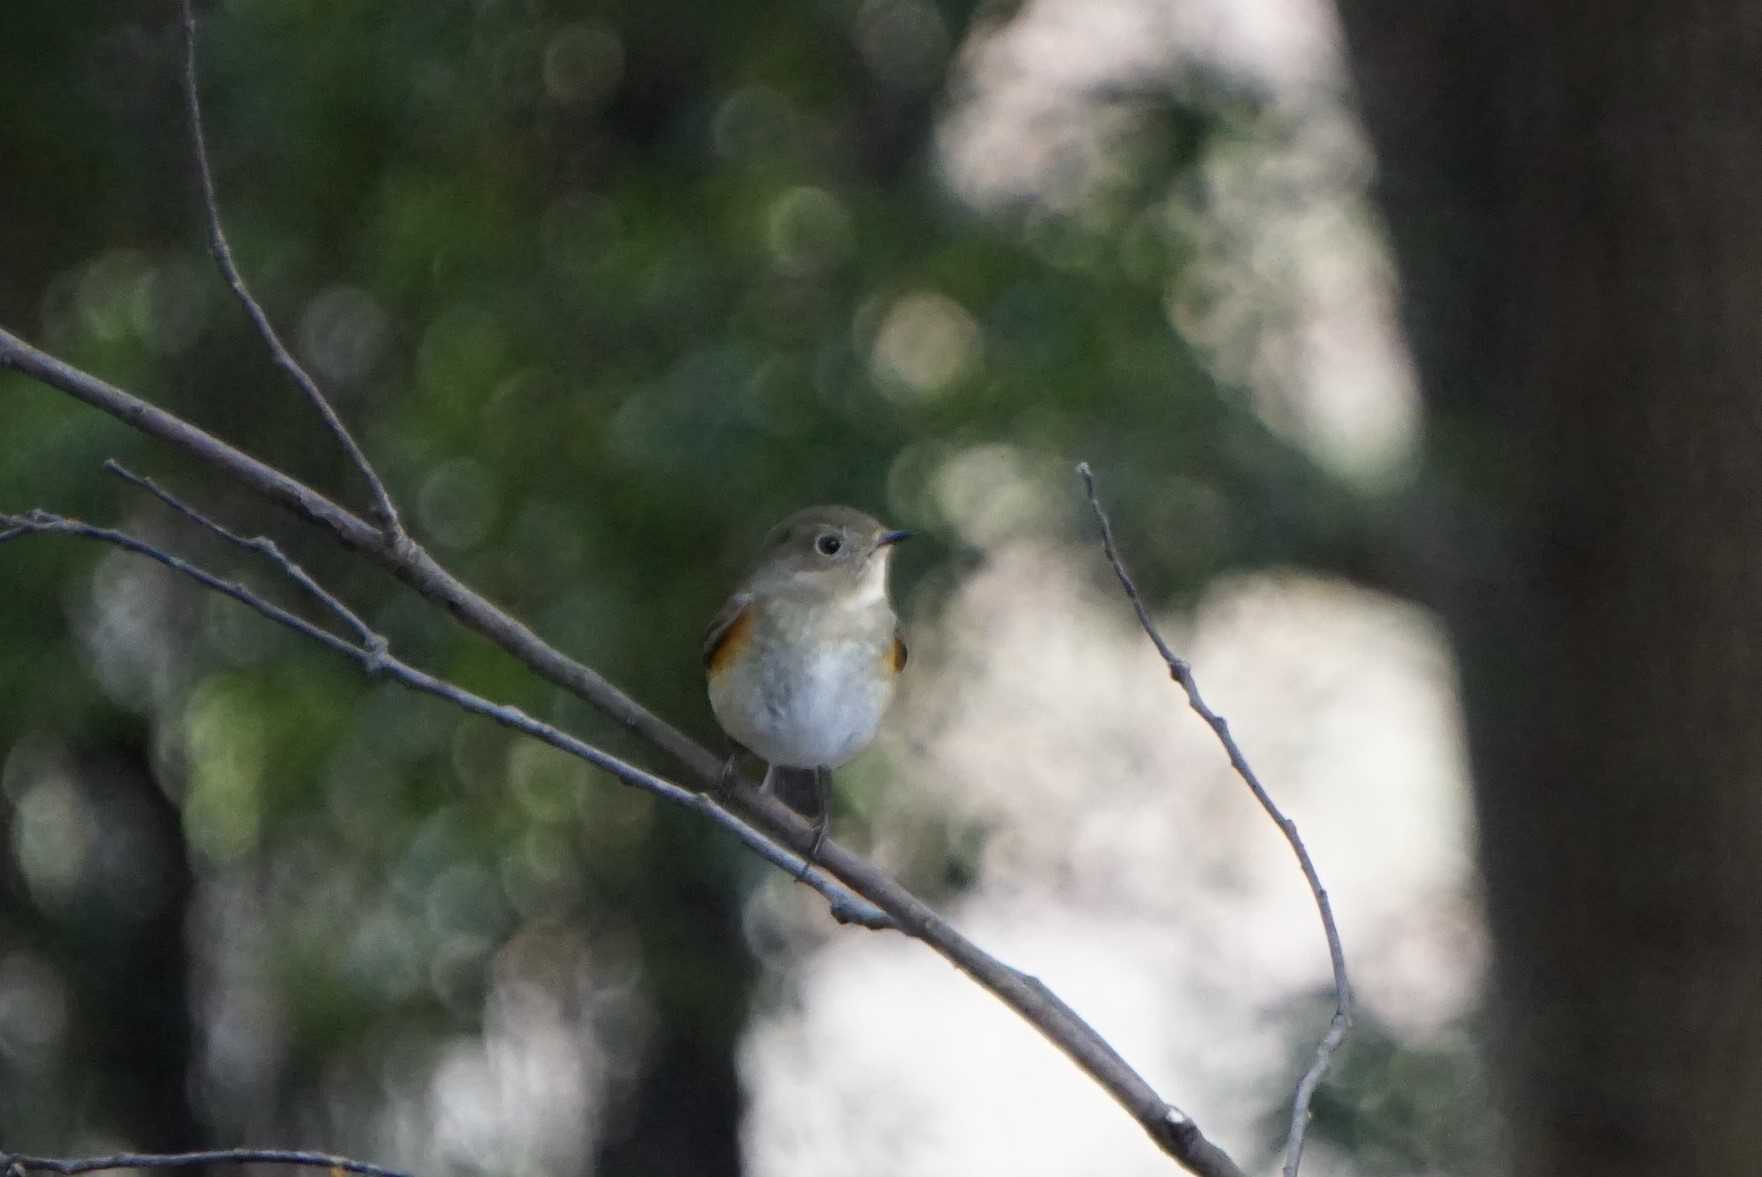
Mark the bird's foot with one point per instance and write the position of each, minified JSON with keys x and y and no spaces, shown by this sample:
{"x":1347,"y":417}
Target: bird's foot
{"x":725,"y":779}
{"x":823,"y":820}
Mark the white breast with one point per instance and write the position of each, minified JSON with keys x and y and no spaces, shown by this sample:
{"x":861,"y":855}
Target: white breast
{"x":820,"y":709}
{"x":836,"y":710}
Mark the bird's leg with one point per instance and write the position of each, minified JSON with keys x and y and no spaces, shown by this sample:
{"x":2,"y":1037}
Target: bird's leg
{"x":725,"y":778}
{"x":823,"y":798}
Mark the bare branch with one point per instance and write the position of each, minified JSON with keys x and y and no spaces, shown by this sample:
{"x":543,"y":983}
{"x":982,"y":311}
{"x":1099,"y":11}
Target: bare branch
{"x":383,"y":509}
{"x":374,"y":659}
{"x":17,"y":1164}
{"x":1174,"y":1131}
{"x":1182,"y":673}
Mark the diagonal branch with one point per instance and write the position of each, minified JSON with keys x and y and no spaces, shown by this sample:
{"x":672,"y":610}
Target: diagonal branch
{"x":374,"y":659}
{"x":383,"y":509}
{"x":1182,"y":673}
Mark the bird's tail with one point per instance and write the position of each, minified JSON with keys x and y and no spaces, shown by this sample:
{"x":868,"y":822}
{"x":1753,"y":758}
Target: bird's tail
{"x":796,"y":788}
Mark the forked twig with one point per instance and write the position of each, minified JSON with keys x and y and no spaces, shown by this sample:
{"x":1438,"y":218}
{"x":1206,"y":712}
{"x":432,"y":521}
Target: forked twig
{"x":262,"y":545}
{"x":1182,"y":673}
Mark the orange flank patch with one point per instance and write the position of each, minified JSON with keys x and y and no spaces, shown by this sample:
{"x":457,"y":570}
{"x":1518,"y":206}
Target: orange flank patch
{"x":894,"y":659}
{"x":727,"y":641}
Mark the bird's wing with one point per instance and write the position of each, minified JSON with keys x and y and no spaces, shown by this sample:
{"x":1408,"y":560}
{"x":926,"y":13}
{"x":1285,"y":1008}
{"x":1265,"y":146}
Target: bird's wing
{"x":728,"y":630}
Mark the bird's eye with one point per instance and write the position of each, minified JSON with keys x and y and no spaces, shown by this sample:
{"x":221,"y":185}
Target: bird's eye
{"x":828,"y":544}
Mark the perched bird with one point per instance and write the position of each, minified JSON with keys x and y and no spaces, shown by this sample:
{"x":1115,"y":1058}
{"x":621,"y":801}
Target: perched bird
{"x":803,"y":657}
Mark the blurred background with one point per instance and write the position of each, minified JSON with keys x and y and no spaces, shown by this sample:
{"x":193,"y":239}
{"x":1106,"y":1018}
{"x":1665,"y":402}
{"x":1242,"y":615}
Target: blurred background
{"x":605,"y":289}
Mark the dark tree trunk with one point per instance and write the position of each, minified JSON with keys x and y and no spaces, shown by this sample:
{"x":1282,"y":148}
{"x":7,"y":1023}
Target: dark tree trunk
{"x":120,"y":954}
{"x":134,"y":982}
{"x":1575,"y":197}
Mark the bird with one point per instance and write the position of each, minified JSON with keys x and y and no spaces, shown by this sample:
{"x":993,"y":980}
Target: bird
{"x":802,"y":660}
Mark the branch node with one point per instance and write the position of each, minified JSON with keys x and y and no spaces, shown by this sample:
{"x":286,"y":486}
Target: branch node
{"x":855,"y":913}
{"x":402,"y":548}
{"x":1175,"y":1132}
{"x":373,"y":655}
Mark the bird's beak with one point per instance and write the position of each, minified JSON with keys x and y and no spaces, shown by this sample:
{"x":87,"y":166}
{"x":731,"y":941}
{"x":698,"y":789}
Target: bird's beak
{"x":889,"y":538}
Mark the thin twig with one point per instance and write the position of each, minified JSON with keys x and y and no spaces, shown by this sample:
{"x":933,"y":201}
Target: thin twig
{"x":15,"y":1164}
{"x":374,"y":659}
{"x":1182,"y":673}
{"x":384,"y":511}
